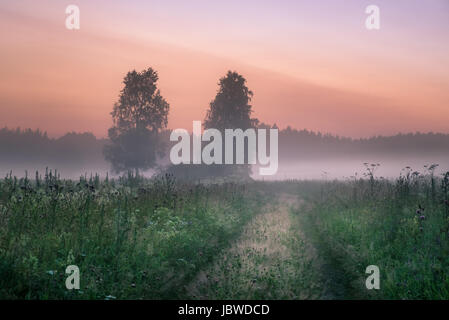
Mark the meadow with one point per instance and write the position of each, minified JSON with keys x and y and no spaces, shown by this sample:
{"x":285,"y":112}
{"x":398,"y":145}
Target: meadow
{"x":131,"y":238}
{"x":400,"y":225}
{"x":163,"y":238}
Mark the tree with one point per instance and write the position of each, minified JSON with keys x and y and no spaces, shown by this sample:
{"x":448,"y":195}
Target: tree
{"x":138,"y":117}
{"x":231,"y":109}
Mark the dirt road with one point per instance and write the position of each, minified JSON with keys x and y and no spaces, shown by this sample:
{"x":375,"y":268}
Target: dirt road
{"x":270,"y":260}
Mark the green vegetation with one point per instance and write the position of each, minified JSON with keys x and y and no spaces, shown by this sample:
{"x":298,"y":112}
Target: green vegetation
{"x":160,"y":238}
{"x":401,"y":226}
{"x":270,"y":260}
{"x":131,"y":238}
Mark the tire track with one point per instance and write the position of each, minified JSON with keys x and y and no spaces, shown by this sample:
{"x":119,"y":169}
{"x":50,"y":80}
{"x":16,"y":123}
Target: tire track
{"x":270,"y":260}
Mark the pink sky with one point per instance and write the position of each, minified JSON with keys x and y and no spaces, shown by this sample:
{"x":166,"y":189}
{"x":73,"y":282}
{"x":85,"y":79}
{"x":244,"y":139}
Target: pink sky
{"x":310,"y":64}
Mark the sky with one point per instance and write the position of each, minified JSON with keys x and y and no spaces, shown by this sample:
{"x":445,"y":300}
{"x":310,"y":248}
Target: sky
{"x":311,"y":64}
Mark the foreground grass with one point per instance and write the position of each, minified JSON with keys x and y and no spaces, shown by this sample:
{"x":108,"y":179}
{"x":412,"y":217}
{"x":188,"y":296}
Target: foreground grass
{"x":131,"y":238}
{"x":270,"y":260}
{"x":401,"y":226}
{"x":136,"y":238}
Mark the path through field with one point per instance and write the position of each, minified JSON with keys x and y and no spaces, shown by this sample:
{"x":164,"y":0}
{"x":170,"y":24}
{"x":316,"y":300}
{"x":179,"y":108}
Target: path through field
{"x":270,"y":260}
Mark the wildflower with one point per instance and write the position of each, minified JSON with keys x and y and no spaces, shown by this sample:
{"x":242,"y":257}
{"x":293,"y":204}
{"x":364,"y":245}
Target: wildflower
{"x":422,"y":217}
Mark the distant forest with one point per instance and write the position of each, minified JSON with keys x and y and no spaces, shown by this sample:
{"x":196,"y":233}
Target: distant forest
{"x":304,"y":144}
{"x":84,"y":150}
{"x":34,"y":147}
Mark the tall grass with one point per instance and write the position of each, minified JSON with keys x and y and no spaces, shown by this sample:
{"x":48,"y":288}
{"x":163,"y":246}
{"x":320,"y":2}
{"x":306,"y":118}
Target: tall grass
{"x":132,"y":238}
{"x":399,"y":225}
{"x":159,"y":238}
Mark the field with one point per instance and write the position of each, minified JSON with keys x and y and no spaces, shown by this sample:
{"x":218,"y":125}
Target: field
{"x":161,"y":238}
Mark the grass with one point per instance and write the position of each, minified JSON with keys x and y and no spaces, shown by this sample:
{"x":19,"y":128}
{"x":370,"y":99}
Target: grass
{"x":159,"y":238}
{"x":131,"y":239}
{"x":268,"y":261}
{"x":401,"y":226}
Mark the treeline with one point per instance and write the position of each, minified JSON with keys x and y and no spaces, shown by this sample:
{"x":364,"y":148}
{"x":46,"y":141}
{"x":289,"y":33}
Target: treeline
{"x":18,"y":146}
{"x":29,"y":146}
{"x":305,"y":144}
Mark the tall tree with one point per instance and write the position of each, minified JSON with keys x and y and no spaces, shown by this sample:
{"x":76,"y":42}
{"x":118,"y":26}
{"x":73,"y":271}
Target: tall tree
{"x":138,"y":117}
{"x":231,"y":109}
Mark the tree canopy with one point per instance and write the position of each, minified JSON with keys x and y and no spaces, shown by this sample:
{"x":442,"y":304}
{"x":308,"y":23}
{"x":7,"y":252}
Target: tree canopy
{"x":138,"y":117}
{"x":231,"y":109}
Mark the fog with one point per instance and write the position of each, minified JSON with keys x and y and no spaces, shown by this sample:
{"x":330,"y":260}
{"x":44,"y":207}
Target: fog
{"x":65,"y":171}
{"x":301,"y":170}
{"x":302,"y":155}
{"x":346,"y":168}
